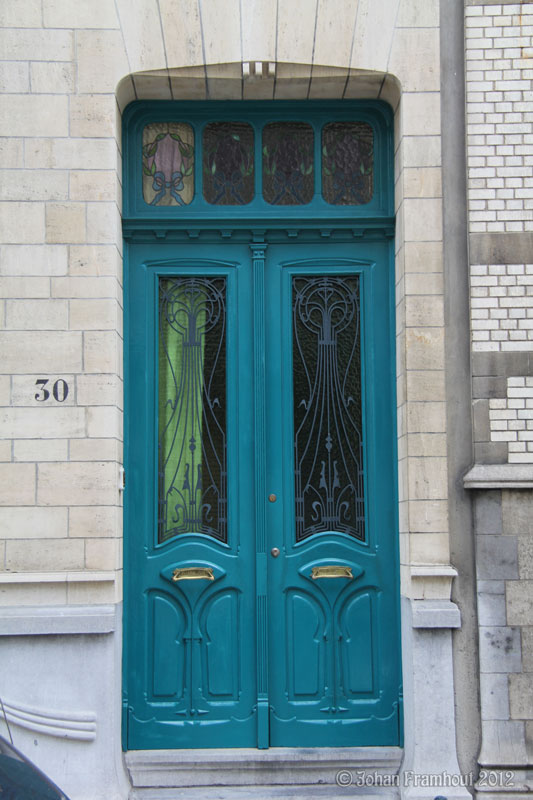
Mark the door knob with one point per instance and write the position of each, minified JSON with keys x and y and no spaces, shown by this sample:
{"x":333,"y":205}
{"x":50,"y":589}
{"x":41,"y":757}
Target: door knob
{"x":274,"y":552}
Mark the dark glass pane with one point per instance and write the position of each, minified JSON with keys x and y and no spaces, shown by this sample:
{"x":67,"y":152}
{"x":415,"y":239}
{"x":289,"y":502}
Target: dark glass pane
{"x":168,"y":164}
{"x":347,"y":163}
{"x":228,"y":160}
{"x":288,"y":163}
{"x":328,"y":447}
{"x":192,"y":407}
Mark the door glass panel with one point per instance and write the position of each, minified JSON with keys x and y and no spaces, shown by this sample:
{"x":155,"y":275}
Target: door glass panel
{"x":328,"y":446}
{"x":192,"y":407}
{"x":347,"y":163}
{"x":288,"y":163}
{"x":228,"y":160}
{"x":168,"y":164}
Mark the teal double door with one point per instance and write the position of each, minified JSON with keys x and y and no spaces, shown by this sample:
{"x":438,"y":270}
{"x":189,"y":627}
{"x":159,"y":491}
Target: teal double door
{"x":261,"y":568}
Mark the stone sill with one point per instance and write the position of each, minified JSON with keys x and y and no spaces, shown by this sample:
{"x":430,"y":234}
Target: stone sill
{"x":499,"y":476}
{"x":58,"y":577}
{"x":435,"y":614}
{"x":433,"y":571}
{"x":44,"y":620}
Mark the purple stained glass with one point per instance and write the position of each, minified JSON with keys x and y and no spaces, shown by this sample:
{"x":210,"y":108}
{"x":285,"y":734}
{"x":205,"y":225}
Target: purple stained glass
{"x":168,"y":164}
{"x":228,"y":163}
{"x":288,"y":163}
{"x":347,"y":163}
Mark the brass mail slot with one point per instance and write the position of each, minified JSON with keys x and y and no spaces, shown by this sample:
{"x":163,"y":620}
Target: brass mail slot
{"x":193,"y":574}
{"x":331,"y":572}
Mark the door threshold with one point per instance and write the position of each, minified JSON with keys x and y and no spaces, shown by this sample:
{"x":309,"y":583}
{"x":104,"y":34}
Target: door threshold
{"x":280,"y":772}
{"x":266,"y":793}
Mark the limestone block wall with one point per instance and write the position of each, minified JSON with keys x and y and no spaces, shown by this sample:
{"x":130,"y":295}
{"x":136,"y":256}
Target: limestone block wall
{"x":67,"y":71}
{"x":499,"y":38}
{"x":61,"y":310}
{"x":504,"y":565}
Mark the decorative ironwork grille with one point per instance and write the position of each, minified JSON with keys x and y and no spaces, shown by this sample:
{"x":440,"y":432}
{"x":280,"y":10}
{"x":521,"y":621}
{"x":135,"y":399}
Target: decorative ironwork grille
{"x":192,"y":407}
{"x":347,"y":163}
{"x":288,"y":163}
{"x":228,"y":158}
{"x":328,"y":446}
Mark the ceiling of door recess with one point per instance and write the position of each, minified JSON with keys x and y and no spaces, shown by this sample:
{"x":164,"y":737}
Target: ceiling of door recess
{"x":198,"y":49}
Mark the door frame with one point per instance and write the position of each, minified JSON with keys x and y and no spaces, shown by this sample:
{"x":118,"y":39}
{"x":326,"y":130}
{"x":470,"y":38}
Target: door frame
{"x":319,"y":224}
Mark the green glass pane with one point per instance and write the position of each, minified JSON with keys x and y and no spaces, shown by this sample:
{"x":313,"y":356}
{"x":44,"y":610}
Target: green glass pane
{"x":288,"y":163}
{"x":347,"y":163}
{"x":192,"y":407}
{"x":168,"y":164}
{"x":228,"y":163}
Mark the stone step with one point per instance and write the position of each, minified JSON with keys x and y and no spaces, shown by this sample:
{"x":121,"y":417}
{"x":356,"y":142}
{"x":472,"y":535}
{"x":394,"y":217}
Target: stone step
{"x":282,"y":772}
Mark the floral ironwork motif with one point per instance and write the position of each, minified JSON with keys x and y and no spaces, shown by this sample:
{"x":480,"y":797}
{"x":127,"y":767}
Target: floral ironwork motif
{"x":288,"y":163}
{"x":192,"y":407}
{"x":228,"y":159}
{"x":328,"y":447}
{"x":168,"y":164}
{"x":347,"y":163}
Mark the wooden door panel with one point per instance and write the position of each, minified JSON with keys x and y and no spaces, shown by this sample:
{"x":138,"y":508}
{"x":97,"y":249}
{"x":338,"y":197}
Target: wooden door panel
{"x":222,"y":630}
{"x":356,"y":622}
{"x":305,"y":630}
{"x":166,"y":629}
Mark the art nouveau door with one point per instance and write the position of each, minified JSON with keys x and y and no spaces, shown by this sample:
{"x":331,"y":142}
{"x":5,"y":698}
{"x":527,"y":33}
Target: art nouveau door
{"x":334,"y":661}
{"x":261,"y":568}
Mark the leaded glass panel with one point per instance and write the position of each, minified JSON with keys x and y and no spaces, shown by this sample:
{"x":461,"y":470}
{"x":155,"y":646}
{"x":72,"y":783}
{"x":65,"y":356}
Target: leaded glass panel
{"x":168,"y":164}
{"x":192,"y":407}
{"x":328,"y":445}
{"x":347,"y":163}
{"x":288,"y":163}
{"x":228,"y":163}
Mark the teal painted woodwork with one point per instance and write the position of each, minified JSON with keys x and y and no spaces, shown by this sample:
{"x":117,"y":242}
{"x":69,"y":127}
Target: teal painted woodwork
{"x":263,"y":655}
{"x":196,"y":208}
{"x":191,"y":643}
{"x":321,"y":657}
{"x":336,"y":657}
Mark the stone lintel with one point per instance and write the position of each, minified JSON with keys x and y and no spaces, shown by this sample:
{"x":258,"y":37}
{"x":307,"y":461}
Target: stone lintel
{"x":501,"y":248}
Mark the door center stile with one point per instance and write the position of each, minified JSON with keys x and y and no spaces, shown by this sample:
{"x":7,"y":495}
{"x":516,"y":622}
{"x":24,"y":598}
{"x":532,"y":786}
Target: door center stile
{"x":258,"y":250}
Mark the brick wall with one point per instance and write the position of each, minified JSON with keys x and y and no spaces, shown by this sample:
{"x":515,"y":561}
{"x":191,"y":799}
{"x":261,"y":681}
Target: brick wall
{"x":499,"y":70}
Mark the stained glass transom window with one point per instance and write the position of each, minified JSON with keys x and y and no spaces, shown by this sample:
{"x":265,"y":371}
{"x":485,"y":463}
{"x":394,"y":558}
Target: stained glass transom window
{"x":288,"y":163}
{"x":347,"y":163}
{"x":192,"y":407}
{"x":168,"y":164}
{"x":228,"y":163}
{"x":195,"y":164}
{"x":328,"y":445}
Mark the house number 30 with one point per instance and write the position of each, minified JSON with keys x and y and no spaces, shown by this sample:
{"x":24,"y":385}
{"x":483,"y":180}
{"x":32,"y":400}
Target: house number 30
{"x":59,"y":390}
